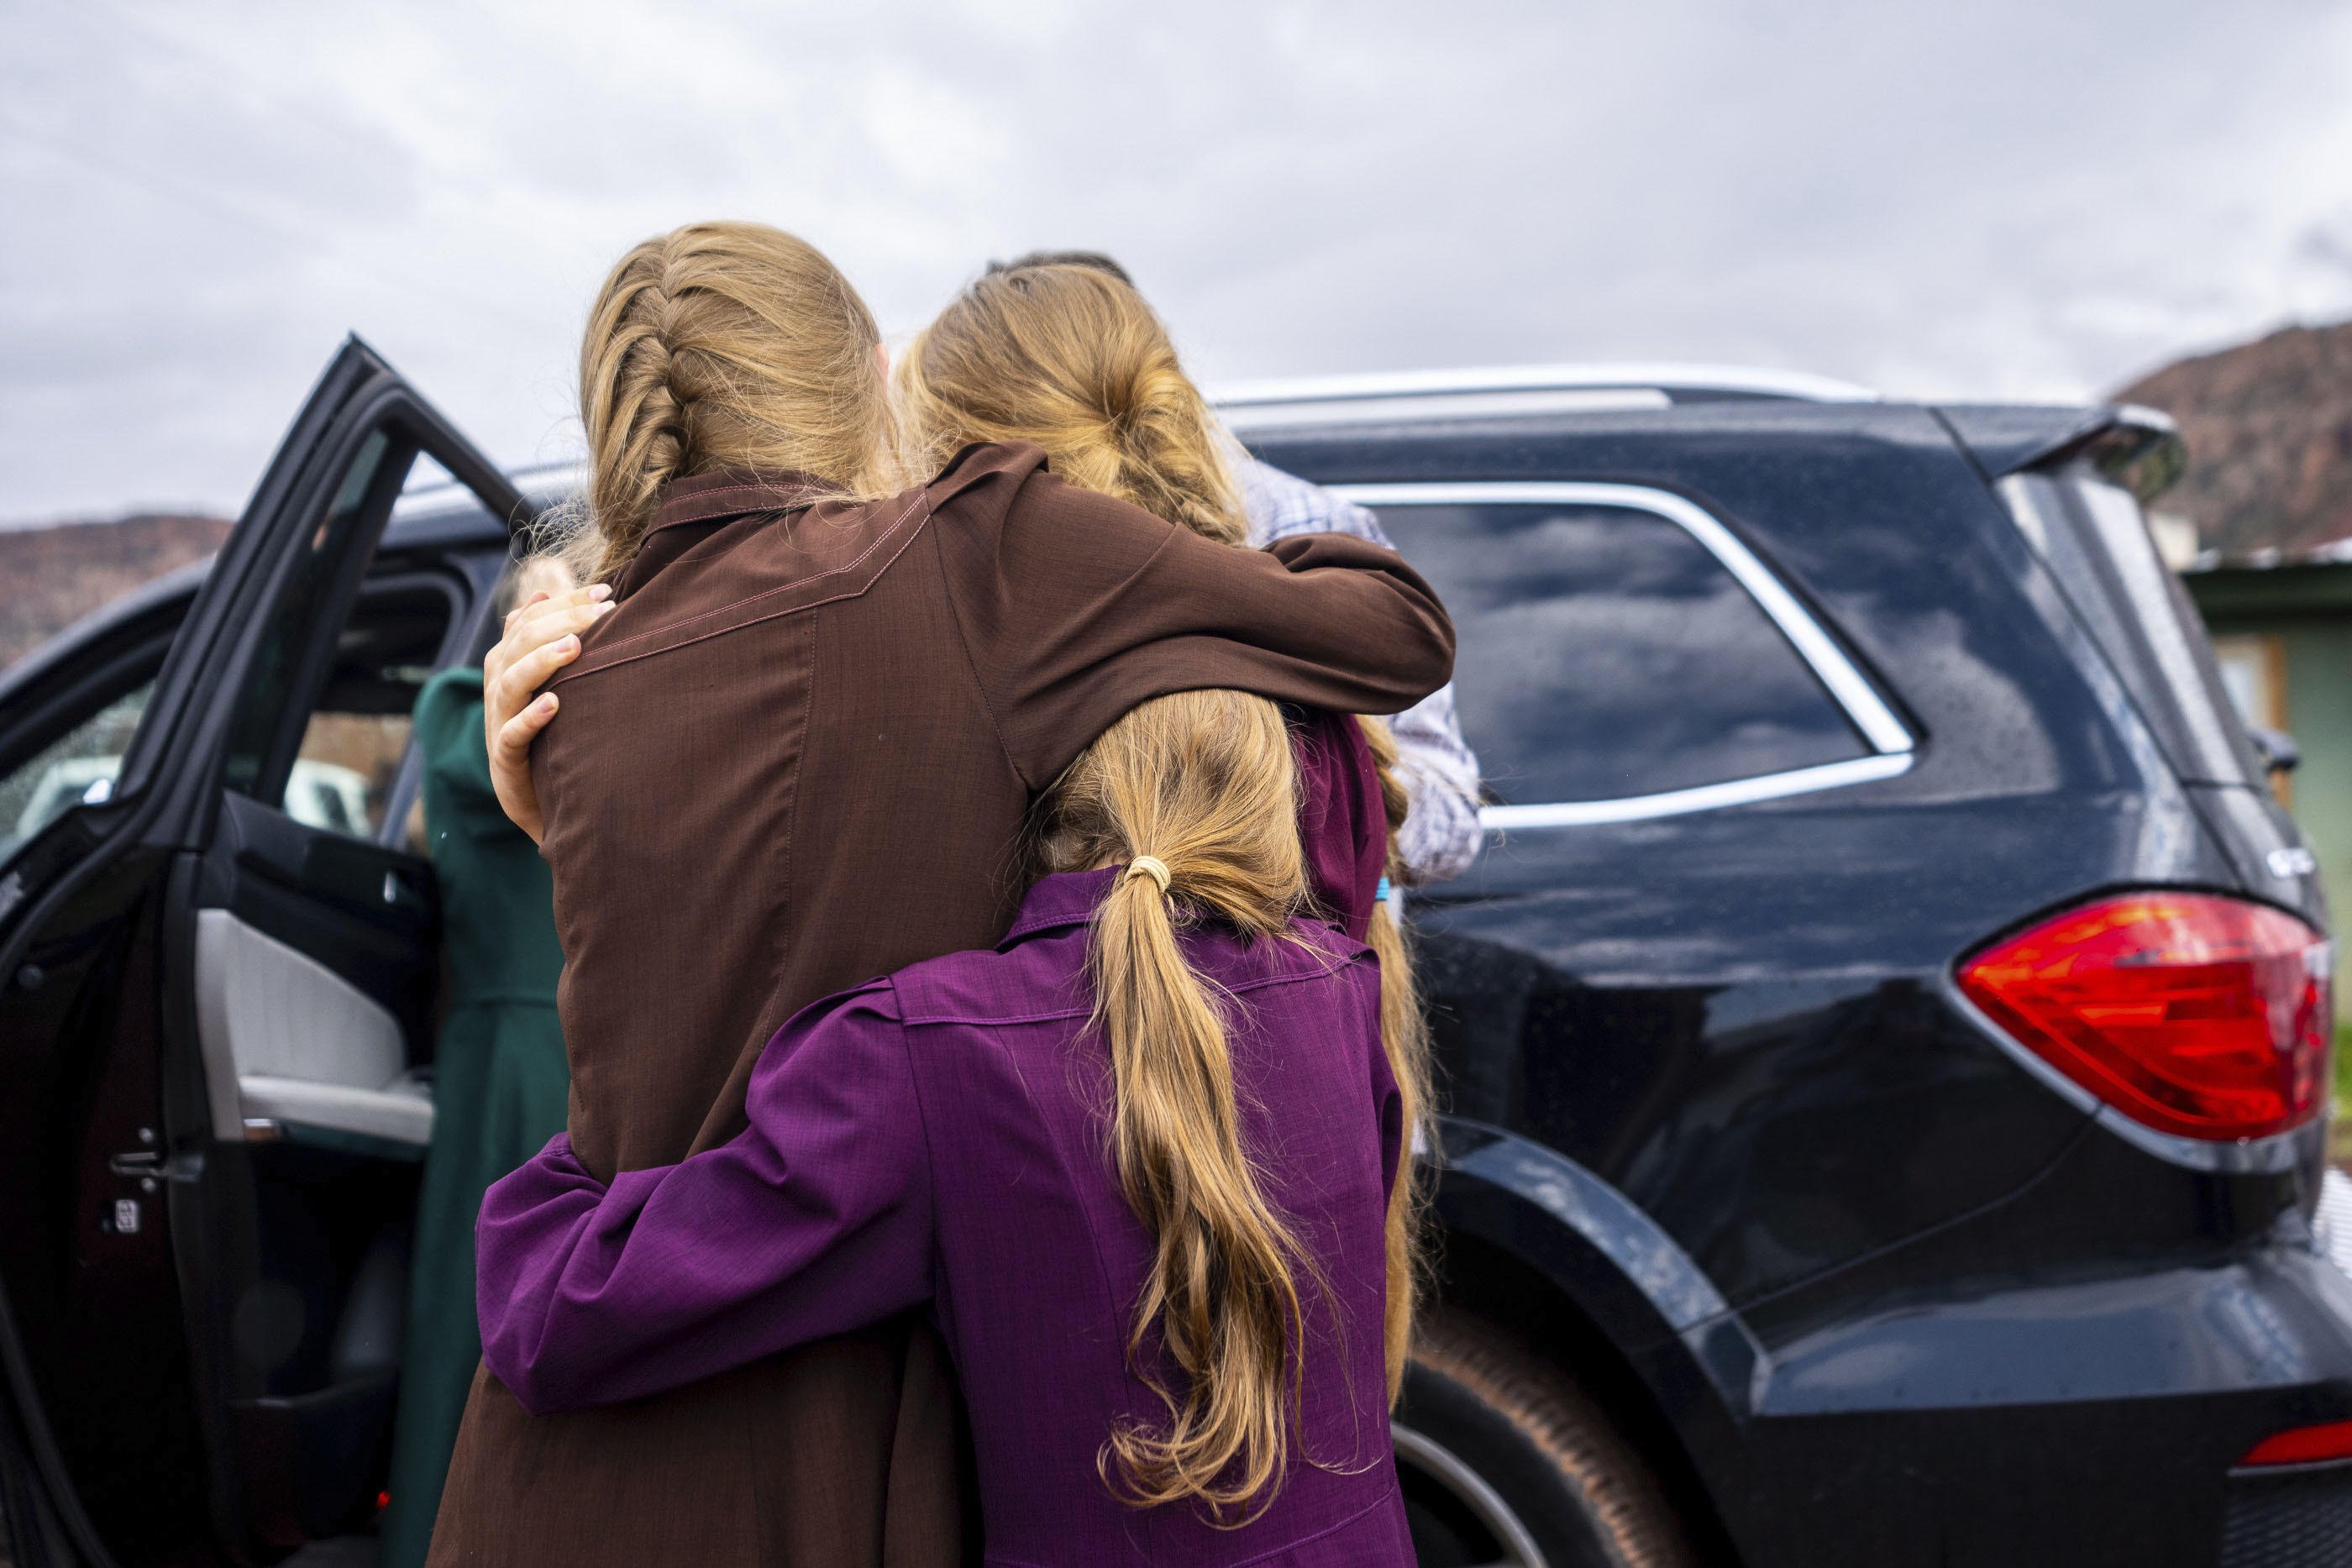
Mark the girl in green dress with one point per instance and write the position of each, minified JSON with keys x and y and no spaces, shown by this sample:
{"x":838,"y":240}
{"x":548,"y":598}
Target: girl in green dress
{"x":499,"y":1083}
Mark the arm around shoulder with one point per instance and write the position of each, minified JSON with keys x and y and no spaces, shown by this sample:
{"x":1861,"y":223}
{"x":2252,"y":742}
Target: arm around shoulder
{"x":1081,"y":606}
{"x":814,"y":1220}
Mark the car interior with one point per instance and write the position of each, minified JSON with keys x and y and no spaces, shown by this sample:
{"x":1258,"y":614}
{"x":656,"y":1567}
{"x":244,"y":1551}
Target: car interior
{"x":314,"y":1001}
{"x":317,"y":975}
{"x":293,"y":1049}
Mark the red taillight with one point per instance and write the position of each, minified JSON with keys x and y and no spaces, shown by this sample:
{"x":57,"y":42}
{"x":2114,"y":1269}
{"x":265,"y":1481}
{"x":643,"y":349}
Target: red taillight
{"x":2195,"y":1014}
{"x":2302,"y":1445}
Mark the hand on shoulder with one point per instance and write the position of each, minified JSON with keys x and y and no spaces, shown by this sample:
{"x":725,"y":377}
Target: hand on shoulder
{"x":543,"y":635}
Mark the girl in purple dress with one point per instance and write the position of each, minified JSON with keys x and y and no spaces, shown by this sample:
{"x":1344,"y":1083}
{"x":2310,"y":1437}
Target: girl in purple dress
{"x":1139,"y":1160}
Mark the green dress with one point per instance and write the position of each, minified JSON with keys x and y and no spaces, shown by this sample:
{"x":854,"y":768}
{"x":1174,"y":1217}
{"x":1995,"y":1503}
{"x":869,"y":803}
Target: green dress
{"x":500,"y":1085}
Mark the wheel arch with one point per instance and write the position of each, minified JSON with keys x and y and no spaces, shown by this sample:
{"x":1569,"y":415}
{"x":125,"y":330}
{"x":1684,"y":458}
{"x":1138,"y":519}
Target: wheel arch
{"x":1513,"y":1247}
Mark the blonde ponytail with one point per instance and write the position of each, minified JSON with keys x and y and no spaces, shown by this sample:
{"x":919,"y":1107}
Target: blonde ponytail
{"x":1202,"y":784}
{"x":723,"y":345}
{"x":1071,"y":358}
{"x":1067,"y":355}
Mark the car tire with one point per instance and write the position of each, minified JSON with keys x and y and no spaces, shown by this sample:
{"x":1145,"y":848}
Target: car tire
{"x":1507,"y":1463}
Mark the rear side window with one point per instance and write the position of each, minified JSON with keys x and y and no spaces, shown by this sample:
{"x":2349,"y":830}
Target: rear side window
{"x":2096,"y":542}
{"x":1604,"y":652}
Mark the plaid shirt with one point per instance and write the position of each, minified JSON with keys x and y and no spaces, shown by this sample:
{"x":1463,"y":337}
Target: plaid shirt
{"x":1441,"y":835}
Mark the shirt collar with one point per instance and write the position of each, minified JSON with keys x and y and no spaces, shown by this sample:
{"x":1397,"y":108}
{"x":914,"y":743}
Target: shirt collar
{"x":731,"y":492}
{"x":1066,"y":898}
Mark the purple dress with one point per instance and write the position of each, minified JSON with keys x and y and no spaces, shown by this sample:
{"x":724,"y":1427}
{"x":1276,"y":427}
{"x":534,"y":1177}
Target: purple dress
{"x":940,"y":1136}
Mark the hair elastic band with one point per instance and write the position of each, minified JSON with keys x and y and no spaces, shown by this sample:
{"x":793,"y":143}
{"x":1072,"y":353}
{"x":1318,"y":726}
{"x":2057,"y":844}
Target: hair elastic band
{"x":1380,"y":893}
{"x":1151,"y":866}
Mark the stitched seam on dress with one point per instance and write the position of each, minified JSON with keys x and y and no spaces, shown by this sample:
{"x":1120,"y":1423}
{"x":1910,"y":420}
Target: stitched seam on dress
{"x":575,"y":673}
{"x":1310,"y":1539}
{"x":972,"y":1022}
{"x":922,"y":1116}
{"x":880,"y":539}
{"x":1022,"y":928}
{"x":725,"y":514}
{"x":1259,"y":983}
{"x":792,"y":819}
{"x":701,"y":495}
{"x":970,"y":664}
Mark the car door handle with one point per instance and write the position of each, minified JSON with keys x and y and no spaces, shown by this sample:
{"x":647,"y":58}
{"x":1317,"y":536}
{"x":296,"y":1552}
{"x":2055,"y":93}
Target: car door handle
{"x":153,"y":1164}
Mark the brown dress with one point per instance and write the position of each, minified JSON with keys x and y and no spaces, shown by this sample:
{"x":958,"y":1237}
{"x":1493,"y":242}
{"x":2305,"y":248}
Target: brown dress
{"x":795,"y":757}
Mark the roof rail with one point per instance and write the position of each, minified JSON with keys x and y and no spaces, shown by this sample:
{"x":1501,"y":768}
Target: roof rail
{"x":1512,"y":389}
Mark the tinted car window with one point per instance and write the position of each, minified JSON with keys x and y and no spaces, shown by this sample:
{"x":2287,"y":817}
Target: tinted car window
{"x":353,"y":736}
{"x":2096,"y":542}
{"x":76,"y":768}
{"x":256,"y":731}
{"x":1604,"y":652}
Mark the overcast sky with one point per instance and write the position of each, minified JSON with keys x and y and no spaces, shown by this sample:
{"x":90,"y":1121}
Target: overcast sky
{"x":2000,"y":199}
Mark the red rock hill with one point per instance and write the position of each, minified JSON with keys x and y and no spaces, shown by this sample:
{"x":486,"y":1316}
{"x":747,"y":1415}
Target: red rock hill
{"x":2269,"y":430}
{"x":50,"y":578}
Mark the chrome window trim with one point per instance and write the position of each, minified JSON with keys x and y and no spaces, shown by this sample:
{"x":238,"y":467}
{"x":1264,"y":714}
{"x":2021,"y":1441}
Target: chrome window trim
{"x":1655,"y":376}
{"x":1891,"y":742}
{"x":1703,"y":798}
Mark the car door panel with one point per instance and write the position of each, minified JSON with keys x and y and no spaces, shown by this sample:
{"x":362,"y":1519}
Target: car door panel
{"x":367,"y":913}
{"x":85,"y":1233}
{"x":98,"y":1370}
{"x":289,"y":1043}
{"x":211,"y":1369}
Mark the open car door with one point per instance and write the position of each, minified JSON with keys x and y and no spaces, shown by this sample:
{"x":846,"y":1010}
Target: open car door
{"x":218,"y":978}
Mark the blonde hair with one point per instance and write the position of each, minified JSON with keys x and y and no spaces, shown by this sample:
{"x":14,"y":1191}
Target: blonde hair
{"x":1202,"y":782}
{"x":723,"y":345}
{"x":1067,"y":355}
{"x":1071,"y":358}
{"x":1404,"y":1039}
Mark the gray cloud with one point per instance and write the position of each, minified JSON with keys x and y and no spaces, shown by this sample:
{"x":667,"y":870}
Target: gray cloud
{"x":2000,"y":200}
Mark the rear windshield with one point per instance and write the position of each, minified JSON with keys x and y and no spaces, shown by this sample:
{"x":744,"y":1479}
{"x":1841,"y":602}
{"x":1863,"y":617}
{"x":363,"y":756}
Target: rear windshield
{"x":2098,"y":543}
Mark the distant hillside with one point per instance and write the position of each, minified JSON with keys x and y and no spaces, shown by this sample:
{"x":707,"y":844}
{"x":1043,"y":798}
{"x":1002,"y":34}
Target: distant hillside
{"x":56,"y":576}
{"x":2269,"y":430}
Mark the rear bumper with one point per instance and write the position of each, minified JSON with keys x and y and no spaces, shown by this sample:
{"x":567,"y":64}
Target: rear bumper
{"x":2060,"y":1422}
{"x":2302,"y":1519}
{"x":2274,"y":1318}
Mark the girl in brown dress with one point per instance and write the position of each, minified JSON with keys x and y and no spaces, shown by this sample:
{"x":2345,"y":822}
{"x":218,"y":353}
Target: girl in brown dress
{"x":795,"y":755}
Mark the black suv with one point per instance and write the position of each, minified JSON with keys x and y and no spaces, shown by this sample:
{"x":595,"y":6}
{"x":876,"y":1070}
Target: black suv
{"x":1885,"y":1038}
